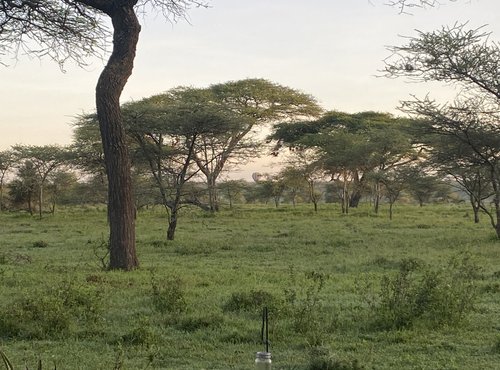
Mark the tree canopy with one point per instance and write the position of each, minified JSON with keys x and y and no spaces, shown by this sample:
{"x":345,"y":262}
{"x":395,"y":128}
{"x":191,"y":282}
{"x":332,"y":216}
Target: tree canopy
{"x":463,"y":134}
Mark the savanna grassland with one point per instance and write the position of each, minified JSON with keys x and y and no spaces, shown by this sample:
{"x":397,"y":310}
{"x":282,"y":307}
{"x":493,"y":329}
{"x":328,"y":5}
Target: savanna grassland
{"x":350,"y":291}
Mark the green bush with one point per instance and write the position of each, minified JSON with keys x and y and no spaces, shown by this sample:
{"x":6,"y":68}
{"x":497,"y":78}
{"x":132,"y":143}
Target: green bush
{"x":168,"y":295}
{"x":141,"y":334}
{"x":303,"y":303}
{"x":432,"y":297}
{"x":50,"y":314}
{"x":40,"y":244}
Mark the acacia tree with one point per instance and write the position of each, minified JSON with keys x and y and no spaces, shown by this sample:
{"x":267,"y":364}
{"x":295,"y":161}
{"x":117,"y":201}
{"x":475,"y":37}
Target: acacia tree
{"x":294,"y":181}
{"x":60,"y":184}
{"x":348,"y":147}
{"x":22,"y":189}
{"x":394,"y":182}
{"x":44,"y":160}
{"x":233,"y":190}
{"x":6,"y":163}
{"x":423,"y":185}
{"x":257,"y":102}
{"x":74,"y":29}
{"x":468,"y":59}
{"x":475,"y":182}
{"x":469,"y":147}
{"x":167,"y":130}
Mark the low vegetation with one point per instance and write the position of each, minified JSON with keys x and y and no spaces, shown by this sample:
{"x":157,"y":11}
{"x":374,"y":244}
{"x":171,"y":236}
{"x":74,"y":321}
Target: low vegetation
{"x":354,"y":291}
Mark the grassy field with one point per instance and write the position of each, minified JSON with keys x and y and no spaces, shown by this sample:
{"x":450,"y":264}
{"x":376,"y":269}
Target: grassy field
{"x":344,"y":291}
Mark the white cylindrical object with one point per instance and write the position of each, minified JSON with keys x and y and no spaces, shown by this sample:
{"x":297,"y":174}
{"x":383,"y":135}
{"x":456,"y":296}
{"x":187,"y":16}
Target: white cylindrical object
{"x":263,"y":361}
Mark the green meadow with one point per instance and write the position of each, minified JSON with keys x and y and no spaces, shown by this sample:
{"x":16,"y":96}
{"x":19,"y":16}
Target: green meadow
{"x":354,"y":291}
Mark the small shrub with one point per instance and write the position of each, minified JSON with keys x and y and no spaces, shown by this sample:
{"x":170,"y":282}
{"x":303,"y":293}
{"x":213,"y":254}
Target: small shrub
{"x":303,"y":302}
{"x":168,"y":296}
{"x":141,"y":334}
{"x":40,"y":244}
{"x":432,"y":297}
{"x":321,"y":359}
{"x":20,"y":258}
{"x":50,"y":314}
{"x":100,"y":248}
{"x":158,"y":243}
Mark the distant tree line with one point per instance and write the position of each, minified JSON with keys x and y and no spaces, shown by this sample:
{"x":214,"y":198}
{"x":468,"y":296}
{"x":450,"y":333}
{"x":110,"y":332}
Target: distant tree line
{"x":184,"y":141}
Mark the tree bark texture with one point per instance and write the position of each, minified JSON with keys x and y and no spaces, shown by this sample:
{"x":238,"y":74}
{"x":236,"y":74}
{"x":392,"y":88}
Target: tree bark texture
{"x":172,"y":224}
{"x":121,"y":207}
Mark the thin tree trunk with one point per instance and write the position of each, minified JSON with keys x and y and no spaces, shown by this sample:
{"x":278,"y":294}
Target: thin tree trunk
{"x":172,"y":223}
{"x":312,"y":194}
{"x":40,"y":201}
{"x":377,"y":197}
{"x":1,"y":194}
{"x":476,"y":215}
{"x":475,"y":208}
{"x":345,"y":198}
{"x":30,"y":205}
{"x":495,"y":182}
{"x":121,"y":208}
{"x":212,"y":193}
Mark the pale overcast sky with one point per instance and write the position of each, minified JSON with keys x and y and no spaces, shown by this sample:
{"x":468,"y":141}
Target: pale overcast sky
{"x":331,"y":49}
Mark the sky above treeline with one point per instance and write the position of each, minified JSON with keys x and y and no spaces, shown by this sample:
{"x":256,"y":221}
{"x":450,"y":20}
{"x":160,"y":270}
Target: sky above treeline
{"x":332,"y":50}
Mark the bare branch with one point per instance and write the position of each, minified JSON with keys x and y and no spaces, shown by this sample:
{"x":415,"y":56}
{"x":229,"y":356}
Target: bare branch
{"x":406,"y":4}
{"x":69,"y":29}
{"x":453,"y":55}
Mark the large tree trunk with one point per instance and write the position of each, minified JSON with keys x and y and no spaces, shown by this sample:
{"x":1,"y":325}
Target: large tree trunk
{"x":121,"y":208}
